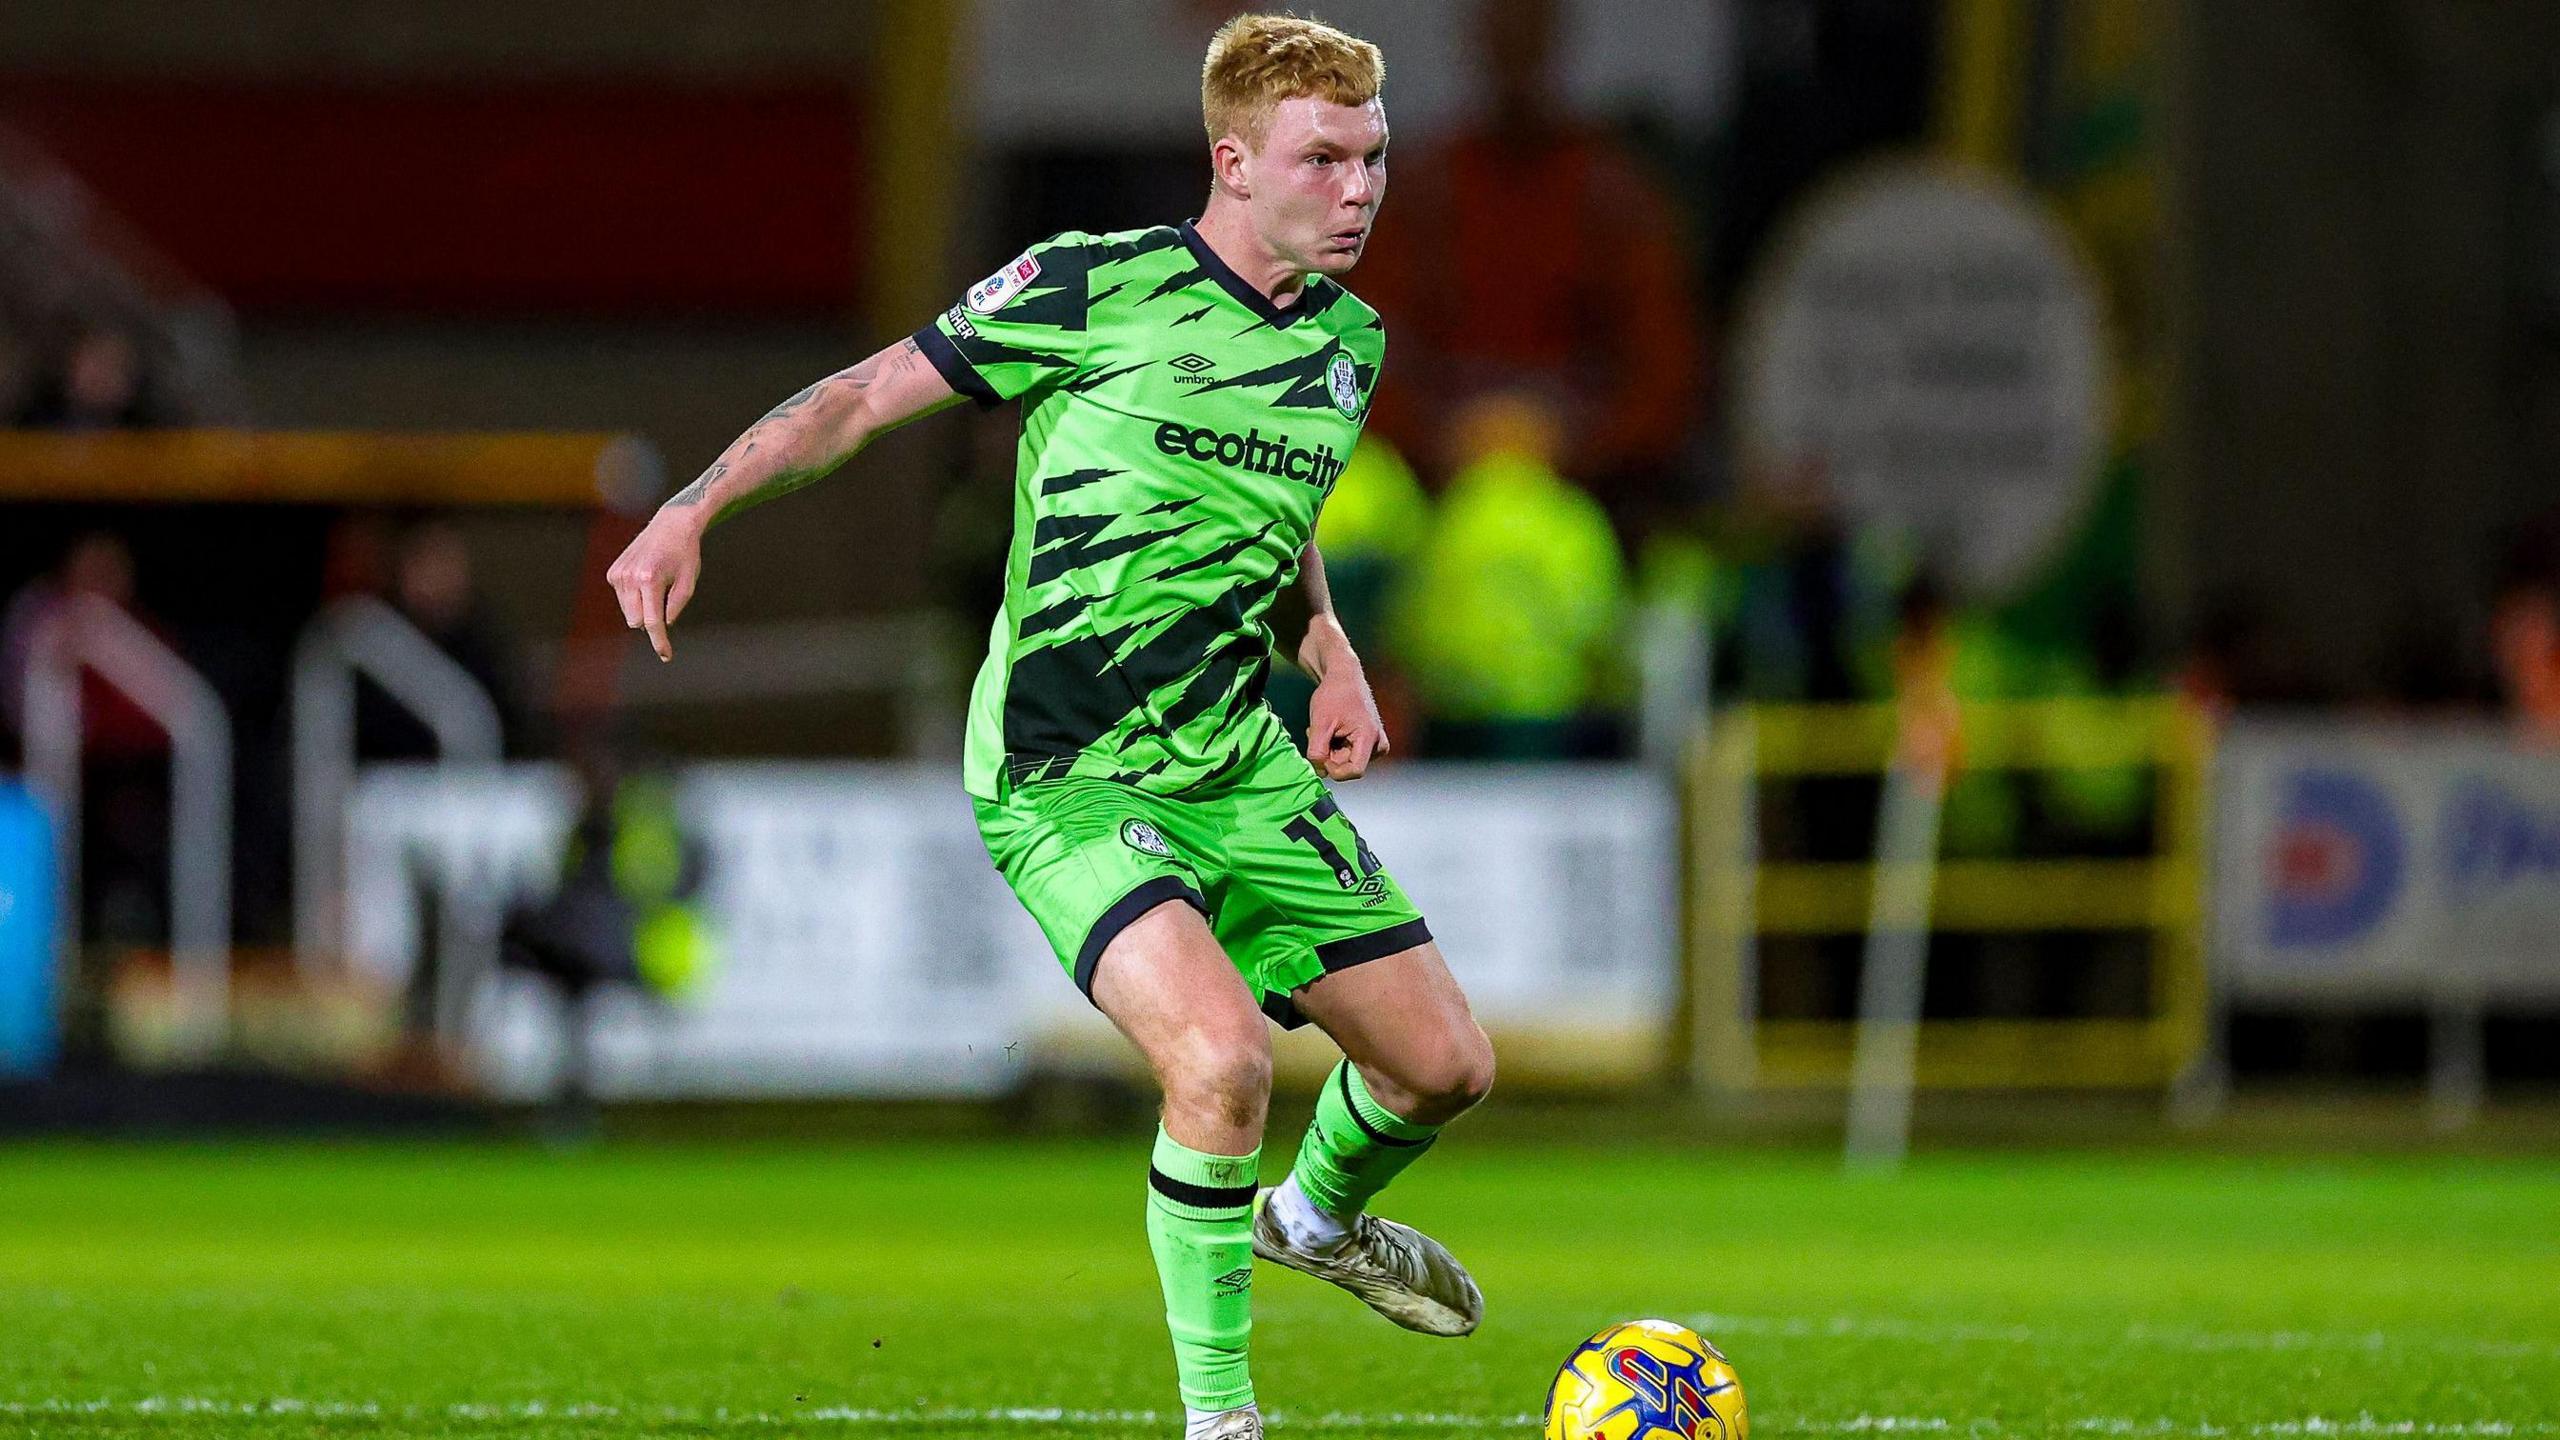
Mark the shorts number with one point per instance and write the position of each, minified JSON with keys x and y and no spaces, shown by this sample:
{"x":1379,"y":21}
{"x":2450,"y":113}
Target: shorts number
{"x":1303,"y":829}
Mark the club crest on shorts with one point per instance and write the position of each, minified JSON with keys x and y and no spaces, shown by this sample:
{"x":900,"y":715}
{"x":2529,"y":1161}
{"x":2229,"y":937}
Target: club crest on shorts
{"x":1139,"y":835}
{"x":1343,"y":379}
{"x":998,"y":290}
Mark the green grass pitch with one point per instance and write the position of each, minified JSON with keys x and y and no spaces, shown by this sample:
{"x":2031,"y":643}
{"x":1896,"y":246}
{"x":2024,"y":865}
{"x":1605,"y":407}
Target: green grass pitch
{"x":1003,"y":1290}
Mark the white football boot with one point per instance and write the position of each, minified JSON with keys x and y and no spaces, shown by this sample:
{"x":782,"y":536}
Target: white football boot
{"x":1245,"y":1424}
{"x":1395,"y":1269}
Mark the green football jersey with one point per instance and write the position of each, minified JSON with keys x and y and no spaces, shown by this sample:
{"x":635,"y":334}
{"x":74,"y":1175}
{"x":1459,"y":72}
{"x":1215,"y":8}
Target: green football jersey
{"x":1179,"y":435}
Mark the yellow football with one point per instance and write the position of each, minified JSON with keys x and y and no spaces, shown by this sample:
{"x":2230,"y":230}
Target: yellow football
{"x":1647,"y":1380}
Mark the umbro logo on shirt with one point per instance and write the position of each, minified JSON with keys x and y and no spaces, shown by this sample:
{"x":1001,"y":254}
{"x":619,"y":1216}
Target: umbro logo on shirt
{"x":1194,"y":367}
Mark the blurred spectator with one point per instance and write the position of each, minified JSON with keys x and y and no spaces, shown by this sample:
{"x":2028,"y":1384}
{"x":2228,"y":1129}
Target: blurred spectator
{"x":1926,"y":654}
{"x":2217,"y":657}
{"x":2083,"y":799}
{"x":1812,"y":605}
{"x":97,"y":566}
{"x":2237,"y":656}
{"x":624,"y":912}
{"x":431,"y":583}
{"x":2524,"y":632}
{"x":99,"y":386}
{"x":124,"y":781}
{"x":1530,"y":251}
{"x":355,"y":557}
{"x":1517,"y":601}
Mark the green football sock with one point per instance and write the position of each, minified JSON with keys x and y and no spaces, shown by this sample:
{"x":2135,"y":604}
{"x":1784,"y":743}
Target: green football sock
{"x":1356,"y":1146}
{"x":1200,"y":1225}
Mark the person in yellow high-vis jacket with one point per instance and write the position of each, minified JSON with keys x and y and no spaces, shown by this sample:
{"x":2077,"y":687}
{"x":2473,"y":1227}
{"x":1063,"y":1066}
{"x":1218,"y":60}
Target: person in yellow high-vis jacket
{"x":1515,"y":602}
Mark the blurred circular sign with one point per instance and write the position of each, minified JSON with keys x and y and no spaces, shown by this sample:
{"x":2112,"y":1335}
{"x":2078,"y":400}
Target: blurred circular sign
{"x":1924,"y":342}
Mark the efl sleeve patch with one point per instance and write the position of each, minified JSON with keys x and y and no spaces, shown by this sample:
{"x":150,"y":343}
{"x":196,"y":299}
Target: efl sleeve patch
{"x":1018,"y":330}
{"x":997,"y":290}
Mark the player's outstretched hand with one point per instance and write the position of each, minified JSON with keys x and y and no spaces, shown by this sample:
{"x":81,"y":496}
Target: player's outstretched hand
{"x":1344,"y":732}
{"x":656,"y":574}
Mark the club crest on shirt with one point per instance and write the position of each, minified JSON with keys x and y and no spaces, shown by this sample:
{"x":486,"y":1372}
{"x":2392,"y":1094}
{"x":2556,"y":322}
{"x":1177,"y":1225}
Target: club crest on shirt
{"x":998,"y":290}
{"x":1343,"y":379}
{"x":1139,"y":835}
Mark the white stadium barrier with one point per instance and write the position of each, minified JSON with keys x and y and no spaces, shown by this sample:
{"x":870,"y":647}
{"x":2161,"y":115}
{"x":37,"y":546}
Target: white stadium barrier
{"x":868,"y":948}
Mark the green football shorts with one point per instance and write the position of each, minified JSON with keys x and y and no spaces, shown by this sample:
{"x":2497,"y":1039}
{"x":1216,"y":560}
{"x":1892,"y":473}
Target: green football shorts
{"x":1288,"y":887}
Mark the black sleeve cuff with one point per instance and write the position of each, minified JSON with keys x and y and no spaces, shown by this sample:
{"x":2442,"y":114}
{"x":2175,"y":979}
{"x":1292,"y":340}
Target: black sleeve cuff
{"x":957,"y":372}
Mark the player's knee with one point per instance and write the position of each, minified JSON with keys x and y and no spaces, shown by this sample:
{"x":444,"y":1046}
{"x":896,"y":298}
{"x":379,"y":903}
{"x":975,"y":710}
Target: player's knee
{"x":1225,"y":1077}
{"x":1475,"y":1071}
{"x":1455,"y":1080}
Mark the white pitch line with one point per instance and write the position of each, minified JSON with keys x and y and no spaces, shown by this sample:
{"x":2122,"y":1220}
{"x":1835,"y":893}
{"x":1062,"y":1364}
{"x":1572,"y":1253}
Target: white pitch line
{"x":2316,"y":1427}
{"x":2361,"y":1425}
{"x":1884,"y":1327}
{"x":713,"y":1418}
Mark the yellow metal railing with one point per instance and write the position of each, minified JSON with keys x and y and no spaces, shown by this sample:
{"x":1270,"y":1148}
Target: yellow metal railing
{"x":1736,"y":899}
{"x":569,"y":471}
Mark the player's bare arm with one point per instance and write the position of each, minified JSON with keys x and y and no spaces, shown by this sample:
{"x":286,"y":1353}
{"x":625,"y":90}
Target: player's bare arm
{"x":798,"y":441}
{"x":1344,"y":731}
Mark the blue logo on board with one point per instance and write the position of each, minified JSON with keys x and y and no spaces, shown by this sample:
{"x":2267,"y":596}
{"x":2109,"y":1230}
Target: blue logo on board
{"x":2336,"y":862}
{"x":2496,"y":838}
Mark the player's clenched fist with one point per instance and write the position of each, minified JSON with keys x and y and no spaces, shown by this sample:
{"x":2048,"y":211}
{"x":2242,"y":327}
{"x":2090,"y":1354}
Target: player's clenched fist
{"x":656,"y":574}
{"x":1343,"y":729}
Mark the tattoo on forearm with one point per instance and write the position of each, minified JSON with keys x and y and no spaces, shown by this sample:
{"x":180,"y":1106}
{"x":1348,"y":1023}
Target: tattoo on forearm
{"x":795,"y":402}
{"x":787,"y":475}
{"x":700,"y":489}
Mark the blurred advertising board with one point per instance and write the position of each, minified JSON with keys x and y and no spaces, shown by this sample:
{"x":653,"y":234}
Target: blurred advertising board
{"x":28,"y":1032}
{"x":2380,"y":861}
{"x":867,"y":947}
